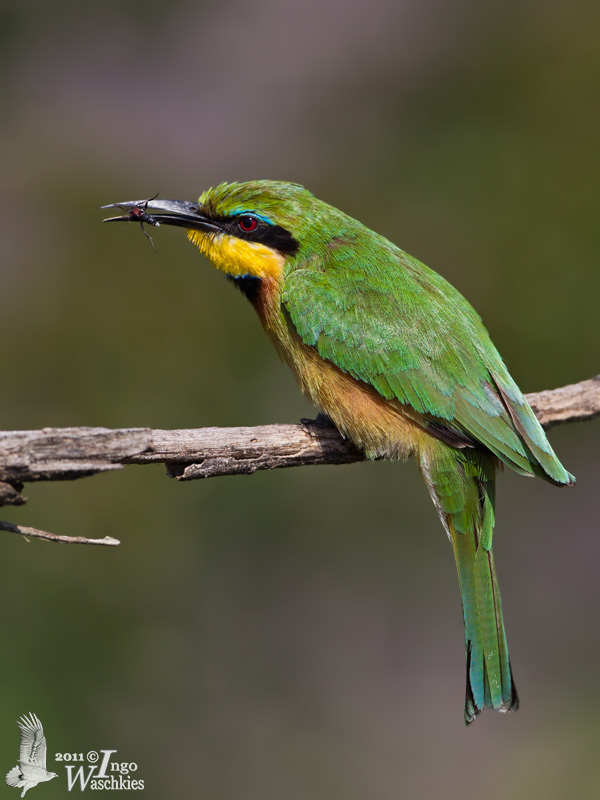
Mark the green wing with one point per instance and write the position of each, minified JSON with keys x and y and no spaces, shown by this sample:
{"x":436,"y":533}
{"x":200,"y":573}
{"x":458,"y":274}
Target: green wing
{"x":391,"y":322}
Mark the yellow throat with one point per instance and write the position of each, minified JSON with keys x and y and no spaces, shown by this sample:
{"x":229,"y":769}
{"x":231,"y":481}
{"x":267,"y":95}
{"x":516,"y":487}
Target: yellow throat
{"x":238,"y":257}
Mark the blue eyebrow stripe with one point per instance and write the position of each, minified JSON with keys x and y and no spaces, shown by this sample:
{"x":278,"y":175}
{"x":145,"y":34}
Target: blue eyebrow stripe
{"x":237,"y":211}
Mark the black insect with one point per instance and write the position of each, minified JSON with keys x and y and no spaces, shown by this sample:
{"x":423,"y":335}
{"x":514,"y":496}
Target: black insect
{"x":137,"y":213}
{"x":140,"y":214}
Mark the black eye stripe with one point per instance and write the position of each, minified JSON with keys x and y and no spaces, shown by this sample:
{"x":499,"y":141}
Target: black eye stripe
{"x":273,"y":236}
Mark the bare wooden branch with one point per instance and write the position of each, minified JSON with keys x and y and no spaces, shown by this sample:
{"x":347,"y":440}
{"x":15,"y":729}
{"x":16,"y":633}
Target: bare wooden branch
{"x":10,"y":495}
{"x":209,"y":452}
{"x":54,"y":537}
{"x":68,"y":453}
{"x":576,"y":402}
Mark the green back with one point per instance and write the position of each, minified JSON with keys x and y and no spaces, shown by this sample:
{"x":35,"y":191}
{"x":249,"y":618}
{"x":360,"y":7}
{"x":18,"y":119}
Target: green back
{"x":390,"y":321}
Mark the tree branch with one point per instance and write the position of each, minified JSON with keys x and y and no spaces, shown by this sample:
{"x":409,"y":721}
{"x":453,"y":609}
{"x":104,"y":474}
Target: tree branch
{"x":55,"y":537}
{"x":69,"y":453}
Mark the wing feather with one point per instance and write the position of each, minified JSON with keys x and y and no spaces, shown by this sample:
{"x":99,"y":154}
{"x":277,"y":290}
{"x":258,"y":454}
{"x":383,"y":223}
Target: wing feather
{"x":404,"y":330}
{"x":33,"y":743}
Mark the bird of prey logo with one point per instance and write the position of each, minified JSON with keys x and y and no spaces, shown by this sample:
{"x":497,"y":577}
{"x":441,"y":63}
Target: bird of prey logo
{"x":31,"y":768}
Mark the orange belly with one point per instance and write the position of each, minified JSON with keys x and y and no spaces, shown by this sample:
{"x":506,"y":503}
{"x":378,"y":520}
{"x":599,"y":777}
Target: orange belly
{"x":378,"y":426}
{"x":375,"y":425}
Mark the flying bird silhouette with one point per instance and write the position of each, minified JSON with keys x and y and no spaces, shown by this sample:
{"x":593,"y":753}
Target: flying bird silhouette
{"x":31,"y":768}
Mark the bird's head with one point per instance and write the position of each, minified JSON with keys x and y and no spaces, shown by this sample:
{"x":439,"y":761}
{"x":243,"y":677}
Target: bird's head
{"x":246,"y":229}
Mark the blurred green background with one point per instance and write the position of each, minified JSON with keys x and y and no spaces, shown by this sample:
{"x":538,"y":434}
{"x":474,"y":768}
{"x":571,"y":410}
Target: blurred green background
{"x":293,"y":634}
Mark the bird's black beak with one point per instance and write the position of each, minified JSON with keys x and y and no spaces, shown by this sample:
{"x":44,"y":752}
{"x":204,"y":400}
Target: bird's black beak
{"x":183,"y":213}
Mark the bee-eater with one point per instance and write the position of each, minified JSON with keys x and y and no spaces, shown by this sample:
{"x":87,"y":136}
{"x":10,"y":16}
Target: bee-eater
{"x":396,"y":358}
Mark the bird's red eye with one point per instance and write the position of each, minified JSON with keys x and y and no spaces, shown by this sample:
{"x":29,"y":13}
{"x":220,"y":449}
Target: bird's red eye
{"x":247,"y":223}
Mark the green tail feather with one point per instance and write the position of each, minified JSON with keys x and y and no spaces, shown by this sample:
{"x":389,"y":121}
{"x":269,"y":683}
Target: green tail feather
{"x":461,"y":484}
{"x":490,"y":682}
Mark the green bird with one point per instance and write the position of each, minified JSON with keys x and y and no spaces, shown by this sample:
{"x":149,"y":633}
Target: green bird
{"x":396,"y":358}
